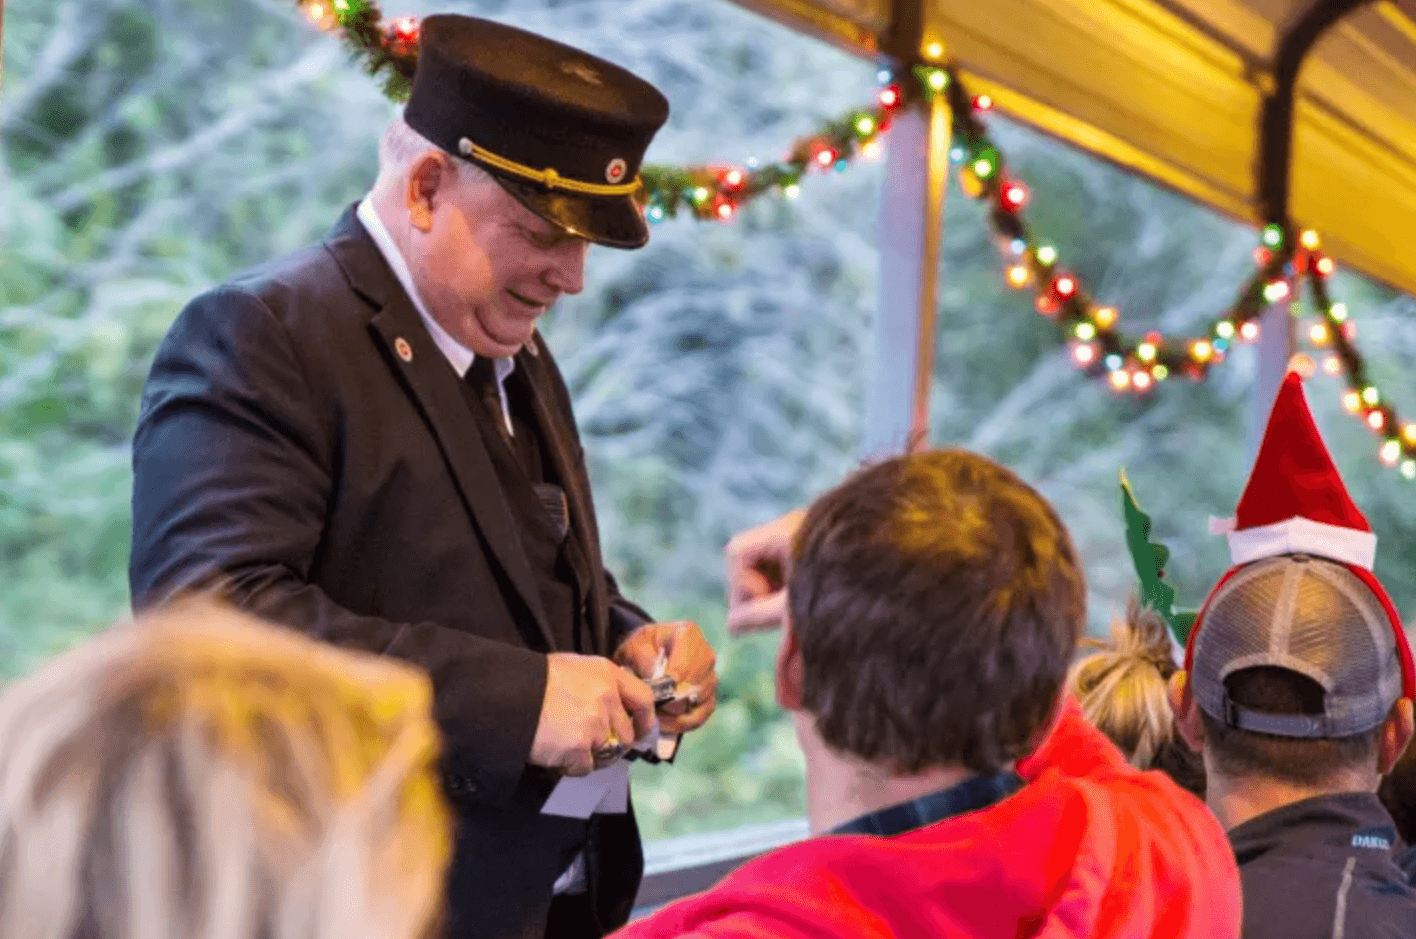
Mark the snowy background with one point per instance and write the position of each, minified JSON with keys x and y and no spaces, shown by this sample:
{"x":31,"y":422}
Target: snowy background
{"x":151,"y":148}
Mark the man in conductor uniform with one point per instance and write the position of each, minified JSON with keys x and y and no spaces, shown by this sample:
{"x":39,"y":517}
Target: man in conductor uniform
{"x":368,"y":441}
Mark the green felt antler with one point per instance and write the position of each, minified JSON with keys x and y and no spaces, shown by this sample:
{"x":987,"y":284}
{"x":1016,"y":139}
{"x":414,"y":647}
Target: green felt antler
{"x":1150,"y":558}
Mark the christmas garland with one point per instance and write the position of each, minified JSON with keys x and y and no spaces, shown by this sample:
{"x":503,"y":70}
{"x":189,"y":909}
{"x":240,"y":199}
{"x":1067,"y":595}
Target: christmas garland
{"x":1283,"y":264}
{"x":388,"y":50}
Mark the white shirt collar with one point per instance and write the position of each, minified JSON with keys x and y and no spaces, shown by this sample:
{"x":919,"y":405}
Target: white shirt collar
{"x":458,"y":355}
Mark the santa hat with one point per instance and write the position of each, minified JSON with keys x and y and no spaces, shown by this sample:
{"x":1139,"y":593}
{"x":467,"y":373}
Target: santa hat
{"x":1295,"y":502}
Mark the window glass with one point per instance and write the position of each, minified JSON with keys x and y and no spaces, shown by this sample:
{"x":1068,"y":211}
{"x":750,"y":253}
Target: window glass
{"x":1006,"y":383}
{"x":151,"y":150}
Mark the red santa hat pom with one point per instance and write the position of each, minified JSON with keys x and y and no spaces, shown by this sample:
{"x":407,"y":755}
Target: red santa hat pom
{"x":1295,"y":501}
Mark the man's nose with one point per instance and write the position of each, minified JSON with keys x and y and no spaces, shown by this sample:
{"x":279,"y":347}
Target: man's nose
{"x":567,"y":273}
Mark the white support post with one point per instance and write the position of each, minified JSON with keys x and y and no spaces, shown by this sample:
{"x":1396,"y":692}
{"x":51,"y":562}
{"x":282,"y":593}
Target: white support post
{"x":900,"y":369}
{"x":1275,"y":347}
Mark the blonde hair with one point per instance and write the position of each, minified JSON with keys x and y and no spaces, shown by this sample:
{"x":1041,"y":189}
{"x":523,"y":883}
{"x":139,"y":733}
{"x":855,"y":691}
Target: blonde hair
{"x":199,"y":775}
{"x":1122,"y":687}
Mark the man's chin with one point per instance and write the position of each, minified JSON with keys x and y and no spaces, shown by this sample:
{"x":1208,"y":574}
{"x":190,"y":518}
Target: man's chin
{"x":512,"y":335}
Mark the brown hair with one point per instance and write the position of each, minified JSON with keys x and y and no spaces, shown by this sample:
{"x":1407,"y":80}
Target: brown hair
{"x":1304,"y":761}
{"x":937,"y":600}
{"x":1122,"y":691}
{"x":199,"y":775}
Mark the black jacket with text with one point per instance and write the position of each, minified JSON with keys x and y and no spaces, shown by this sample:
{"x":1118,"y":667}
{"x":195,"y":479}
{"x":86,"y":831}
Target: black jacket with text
{"x":1322,"y":868}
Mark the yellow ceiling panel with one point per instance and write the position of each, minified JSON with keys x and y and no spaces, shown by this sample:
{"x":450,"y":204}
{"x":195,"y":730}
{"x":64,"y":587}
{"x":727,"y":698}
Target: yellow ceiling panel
{"x":1173,"y":89}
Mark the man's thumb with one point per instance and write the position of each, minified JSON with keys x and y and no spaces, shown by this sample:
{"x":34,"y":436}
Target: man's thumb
{"x":750,"y":584}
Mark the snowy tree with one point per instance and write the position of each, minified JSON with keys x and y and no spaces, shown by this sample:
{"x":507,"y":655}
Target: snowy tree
{"x":150,"y":147}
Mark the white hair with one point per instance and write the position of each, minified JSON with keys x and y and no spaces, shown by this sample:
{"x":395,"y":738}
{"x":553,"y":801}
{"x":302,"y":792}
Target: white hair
{"x":401,"y":146}
{"x":200,"y":775}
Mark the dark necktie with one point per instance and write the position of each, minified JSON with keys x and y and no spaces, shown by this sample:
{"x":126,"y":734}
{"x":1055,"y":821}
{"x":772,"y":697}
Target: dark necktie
{"x":482,"y":376}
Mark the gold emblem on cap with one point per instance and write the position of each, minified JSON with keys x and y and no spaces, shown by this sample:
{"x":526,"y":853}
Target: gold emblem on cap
{"x":581,"y":71}
{"x":616,"y":170}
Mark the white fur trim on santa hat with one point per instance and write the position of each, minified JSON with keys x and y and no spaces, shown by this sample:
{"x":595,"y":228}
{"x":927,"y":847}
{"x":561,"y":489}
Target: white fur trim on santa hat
{"x":1300,"y":535}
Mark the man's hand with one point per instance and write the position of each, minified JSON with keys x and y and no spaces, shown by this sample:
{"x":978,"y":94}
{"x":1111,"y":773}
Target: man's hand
{"x":757,"y":562}
{"x":589,"y":702}
{"x":691,"y":663}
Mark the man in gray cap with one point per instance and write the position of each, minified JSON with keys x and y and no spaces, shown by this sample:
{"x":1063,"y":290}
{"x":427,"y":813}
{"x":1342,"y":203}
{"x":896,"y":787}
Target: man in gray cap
{"x":1297,"y":691}
{"x":368,"y":441}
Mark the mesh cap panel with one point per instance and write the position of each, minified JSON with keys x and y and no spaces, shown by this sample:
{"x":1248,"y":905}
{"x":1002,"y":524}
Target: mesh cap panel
{"x":1310,"y":616}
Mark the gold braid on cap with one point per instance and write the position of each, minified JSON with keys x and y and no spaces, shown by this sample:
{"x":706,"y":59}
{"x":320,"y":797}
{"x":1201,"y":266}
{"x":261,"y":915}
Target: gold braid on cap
{"x":546,"y":177}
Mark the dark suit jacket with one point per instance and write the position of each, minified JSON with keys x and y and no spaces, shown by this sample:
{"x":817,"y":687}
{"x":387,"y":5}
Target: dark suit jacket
{"x":287,"y":450}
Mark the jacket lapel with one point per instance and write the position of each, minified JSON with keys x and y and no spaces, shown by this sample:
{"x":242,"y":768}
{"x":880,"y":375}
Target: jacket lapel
{"x":429,"y":379}
{"x":560,"y":435}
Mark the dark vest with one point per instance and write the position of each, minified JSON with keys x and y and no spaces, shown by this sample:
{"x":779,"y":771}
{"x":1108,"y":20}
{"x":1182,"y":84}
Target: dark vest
{"x":536,"y":497}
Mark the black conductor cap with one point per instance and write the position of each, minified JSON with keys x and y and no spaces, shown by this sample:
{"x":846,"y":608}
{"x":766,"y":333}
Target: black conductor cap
{"x":561,"y":130}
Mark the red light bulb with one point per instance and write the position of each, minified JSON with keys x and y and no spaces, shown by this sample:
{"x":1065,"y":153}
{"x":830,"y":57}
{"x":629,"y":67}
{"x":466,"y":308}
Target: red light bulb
{"x":1015,"y":196}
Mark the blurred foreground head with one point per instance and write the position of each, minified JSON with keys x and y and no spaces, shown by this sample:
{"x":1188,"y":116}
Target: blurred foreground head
{"x":934,"y":604}
{"x":199,"y":775}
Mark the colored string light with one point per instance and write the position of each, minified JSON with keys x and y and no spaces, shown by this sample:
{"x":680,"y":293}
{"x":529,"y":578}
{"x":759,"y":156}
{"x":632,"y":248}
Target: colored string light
{"x":1282,"y":263}
{"x":1015,"y":196}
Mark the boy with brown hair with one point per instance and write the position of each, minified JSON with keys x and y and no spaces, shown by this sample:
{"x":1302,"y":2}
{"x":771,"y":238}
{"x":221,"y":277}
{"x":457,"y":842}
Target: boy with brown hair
{"x":932,"y":605}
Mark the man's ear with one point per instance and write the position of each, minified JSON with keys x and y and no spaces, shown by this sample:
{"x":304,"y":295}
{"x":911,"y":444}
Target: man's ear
{"x":1187,"y":715}
{"x":429,"y":177}
{"x":1396,"y":734}
{"x":789,"y":669}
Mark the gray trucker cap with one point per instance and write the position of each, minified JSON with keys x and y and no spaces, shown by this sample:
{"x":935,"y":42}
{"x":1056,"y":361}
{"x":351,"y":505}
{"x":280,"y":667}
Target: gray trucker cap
{"x":1310,"y":616}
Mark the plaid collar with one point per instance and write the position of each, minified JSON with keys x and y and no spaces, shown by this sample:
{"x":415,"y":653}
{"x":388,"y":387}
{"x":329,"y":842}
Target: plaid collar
{"x":977,"y":792}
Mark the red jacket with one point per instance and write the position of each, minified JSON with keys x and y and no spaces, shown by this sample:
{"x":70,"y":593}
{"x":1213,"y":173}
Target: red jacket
{"x":1089,"y":847}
